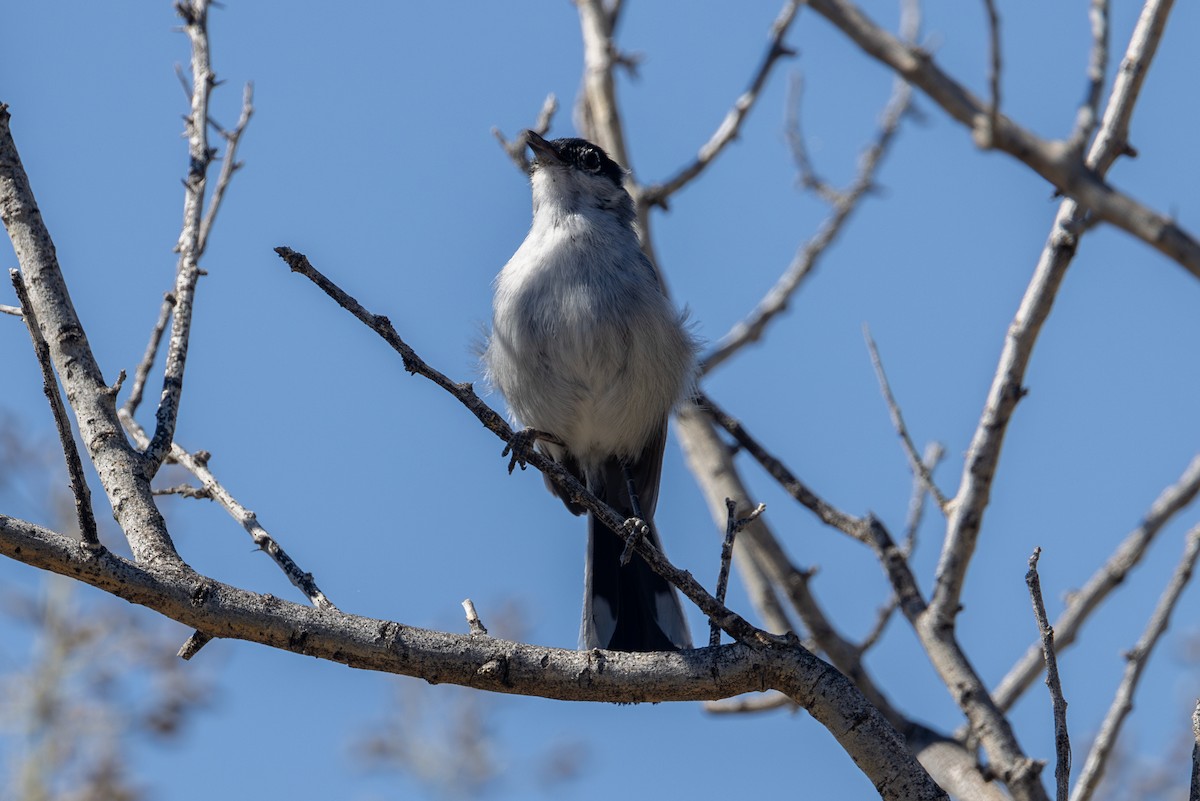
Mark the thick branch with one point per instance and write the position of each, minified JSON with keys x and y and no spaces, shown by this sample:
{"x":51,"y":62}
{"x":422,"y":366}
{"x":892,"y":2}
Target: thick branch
{"x":598,"y":100}
{"x":1050,"y":159}
{"x":491,"y":664}
{"x":90,"y":398}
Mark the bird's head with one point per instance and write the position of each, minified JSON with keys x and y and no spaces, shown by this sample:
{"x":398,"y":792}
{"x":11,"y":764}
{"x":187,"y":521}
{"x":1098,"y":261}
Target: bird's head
{"x":576,"y":176}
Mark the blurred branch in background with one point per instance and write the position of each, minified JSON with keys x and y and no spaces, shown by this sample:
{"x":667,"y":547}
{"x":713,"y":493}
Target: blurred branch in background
{"x":450,"y":740}
{"x":84,"y":682}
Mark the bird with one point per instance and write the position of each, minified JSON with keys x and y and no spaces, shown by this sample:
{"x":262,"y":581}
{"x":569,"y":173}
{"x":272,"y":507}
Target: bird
{"x":592,"y":356}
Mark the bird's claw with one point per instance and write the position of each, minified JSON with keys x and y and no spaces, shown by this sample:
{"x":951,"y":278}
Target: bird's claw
{"x":635,"y":529}
{"x":521,"y":445}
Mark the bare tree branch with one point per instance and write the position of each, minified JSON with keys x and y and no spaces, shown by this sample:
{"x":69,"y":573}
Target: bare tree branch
{"x":757,"y":552}
{"x":1050,"y":159}
{"x":195,"y":17}
{"x":1110,"y":576}
{"x":745,"y":704}
{"x":117,"y":464}
{"x":732,"y":527}
{"x":147,"y":363}
{"x":797,"y":143}
{"x":845,"y":203}
{"x":197,"y":465}
{"x":1194,"y":794}
{"x":473,"y":621}
{"x":79,"y":487}
{"x":497,"y":665}
{"x":229,"y":165}
{"x":658,"y":194}
{"x":600,"y":118}
{"x":517,"y":148}
{"x":987,"y":132}
{"x":1088,"y":115}
{"x":827,"y":513}
{"x":916,"y":510}
{"x":1062,"y":741}
{"x":914,"y":459}
{"x":184,"y":491}
{"x":1136,"y":659}
{"x":979,"y":467}
{"x":1018,"y":771}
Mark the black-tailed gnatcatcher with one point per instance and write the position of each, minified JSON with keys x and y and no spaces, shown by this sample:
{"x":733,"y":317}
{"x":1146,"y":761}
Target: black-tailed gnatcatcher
{"x":586,"y":347}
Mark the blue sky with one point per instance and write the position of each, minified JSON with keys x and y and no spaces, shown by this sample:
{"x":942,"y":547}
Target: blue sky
{"x":370,"y":151}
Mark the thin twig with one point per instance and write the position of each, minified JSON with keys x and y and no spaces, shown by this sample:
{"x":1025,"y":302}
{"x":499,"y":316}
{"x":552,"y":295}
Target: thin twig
{"x":147,"y":363}
{"x":1107,"y":578}
{"x":733,"y":525}
{"x":828,"y":514}
{"x":660,"y":193}
{"x":916,"y":510}
{"x":809,"y":178}
{"x":910,"y":449}
{"x":13,"y":310}
{"x":197,"y":465}
{"x":473,"y":621}
{"x":568,"y":486}
{"x":195,"y":16}
{"x":193,"y":644}
{"x":1062,"y":741}
{"x":185,"y":491}
{"x":1136,"y":661}
{"x":776,"y":301}
{"x":994,"y":67}
{"x":518,"y":147}
{"x":1088,"y":115}
{"x":1194,"y":794}
{"x":750,"y":704}
{"x":79,"y":487}
{"x":934,"y":452}
{"x":759,"y":555}
{"x":229,"y":165}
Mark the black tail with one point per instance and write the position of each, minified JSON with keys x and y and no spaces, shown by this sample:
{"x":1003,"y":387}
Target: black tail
{"x":630,"y":607}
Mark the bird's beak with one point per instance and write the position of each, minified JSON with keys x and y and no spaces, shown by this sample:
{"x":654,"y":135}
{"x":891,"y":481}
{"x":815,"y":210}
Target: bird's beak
{"x":543,"y":151}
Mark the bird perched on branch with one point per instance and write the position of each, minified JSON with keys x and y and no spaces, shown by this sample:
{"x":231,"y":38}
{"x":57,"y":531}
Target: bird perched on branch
{"x":590,"y":353}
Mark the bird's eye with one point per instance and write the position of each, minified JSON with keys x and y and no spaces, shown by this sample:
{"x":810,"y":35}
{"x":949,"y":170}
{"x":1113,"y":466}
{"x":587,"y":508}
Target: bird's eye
{"x":590,"y":161}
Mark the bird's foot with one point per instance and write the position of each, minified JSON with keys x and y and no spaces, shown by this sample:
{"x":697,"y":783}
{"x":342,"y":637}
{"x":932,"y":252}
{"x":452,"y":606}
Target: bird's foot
{"x":521,"y":445}
{"x":635,"y":529}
